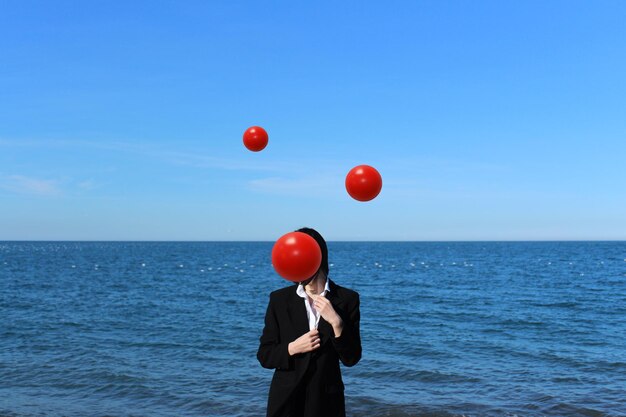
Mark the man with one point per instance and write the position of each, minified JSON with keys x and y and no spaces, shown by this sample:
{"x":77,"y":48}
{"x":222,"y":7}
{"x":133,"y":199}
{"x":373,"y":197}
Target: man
{"x":308,"y":329}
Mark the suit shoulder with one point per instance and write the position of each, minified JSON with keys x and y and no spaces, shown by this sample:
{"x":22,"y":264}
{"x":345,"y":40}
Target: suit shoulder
{"x":282,"y":293}
{"x":346,"y":293}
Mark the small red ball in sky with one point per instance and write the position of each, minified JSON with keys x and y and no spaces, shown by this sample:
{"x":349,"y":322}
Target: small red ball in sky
{"x":255,"y":138}
{"x":363,"y":183}
{"x":296,"y":256}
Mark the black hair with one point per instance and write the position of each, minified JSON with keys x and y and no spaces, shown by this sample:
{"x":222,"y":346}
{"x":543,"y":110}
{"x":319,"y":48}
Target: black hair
{"x":320,"y":241}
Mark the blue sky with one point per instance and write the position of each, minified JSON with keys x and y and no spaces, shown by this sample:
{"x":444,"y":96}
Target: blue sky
{"x":487,"y":120}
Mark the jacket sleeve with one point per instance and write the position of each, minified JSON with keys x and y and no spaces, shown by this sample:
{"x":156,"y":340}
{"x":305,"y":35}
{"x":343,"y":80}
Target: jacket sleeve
{"x":348,"y":345}
{"x":273,"y":354}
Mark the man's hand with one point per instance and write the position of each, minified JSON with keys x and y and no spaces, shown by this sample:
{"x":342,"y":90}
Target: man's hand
{"x":305,"y":343}
{"x":326,"y":310}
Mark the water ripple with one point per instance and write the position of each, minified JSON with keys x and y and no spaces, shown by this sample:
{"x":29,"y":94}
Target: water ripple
{"x":449,"y":329}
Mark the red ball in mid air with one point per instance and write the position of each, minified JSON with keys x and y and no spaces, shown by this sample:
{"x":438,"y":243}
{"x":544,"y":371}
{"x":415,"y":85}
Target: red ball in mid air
{"x":255,"y":138}
{"x":363,"y":183}
{"x":296,"y":256}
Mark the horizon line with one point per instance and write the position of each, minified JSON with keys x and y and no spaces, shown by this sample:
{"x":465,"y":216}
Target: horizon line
{"x":337,"y":241}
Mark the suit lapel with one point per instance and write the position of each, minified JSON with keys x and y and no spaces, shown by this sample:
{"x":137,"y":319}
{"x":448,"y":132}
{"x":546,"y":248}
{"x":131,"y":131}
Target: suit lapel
{"x":332,"y":294}
{"x":297,"y":313}
{"x":326,"y":330}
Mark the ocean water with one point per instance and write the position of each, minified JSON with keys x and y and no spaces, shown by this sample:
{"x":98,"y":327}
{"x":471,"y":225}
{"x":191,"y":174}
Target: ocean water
{"x":448,"y":329}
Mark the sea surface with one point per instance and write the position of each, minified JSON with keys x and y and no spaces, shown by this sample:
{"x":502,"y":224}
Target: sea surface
{"x":125,"y":329}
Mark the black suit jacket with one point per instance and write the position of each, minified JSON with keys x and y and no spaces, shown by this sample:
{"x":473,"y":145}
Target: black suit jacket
{"x":316,"y":372}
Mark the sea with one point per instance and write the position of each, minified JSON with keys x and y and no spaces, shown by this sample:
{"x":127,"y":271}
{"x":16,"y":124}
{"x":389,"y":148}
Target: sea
{"x":157,"y":329}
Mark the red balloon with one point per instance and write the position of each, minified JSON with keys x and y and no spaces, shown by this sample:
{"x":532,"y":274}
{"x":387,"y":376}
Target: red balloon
{"x":296,"y":256}
{"x":255,"y":138}
{"x":363,"y":183}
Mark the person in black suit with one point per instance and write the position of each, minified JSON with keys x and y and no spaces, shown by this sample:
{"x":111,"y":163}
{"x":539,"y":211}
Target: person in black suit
{"x":308,"y":329}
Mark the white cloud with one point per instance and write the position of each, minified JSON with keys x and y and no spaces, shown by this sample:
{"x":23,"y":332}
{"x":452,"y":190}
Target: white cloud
{"x":196,"y":158}
{"x":21,"y":184}
{"x":87,"y":185}
{"x":303,"y":186}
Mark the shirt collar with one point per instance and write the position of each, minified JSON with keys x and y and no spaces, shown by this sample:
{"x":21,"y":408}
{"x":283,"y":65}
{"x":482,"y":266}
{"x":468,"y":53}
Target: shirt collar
{"x":302,"y":293}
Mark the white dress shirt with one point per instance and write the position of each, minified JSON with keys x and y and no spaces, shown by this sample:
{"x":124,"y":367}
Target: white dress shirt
{"x":312,"y":314}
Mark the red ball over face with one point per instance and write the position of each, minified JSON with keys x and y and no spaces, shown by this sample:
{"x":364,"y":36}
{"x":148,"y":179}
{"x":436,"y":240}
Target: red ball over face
{"x":363,"y":183}
{"x":296,"y":256}
{"x":255,"y":138}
